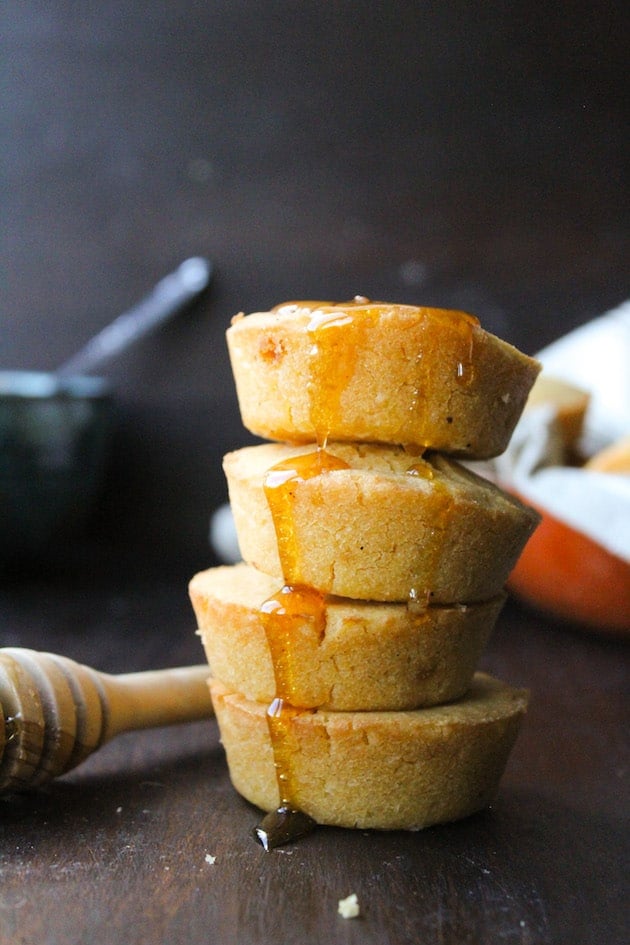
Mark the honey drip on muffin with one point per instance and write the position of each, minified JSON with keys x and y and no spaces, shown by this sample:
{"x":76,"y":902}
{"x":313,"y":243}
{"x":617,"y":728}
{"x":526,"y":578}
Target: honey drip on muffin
{"x":280,"y":716}
{"x":340,"y":332}
{"x":464,"y":372}
{"x":420,"y":597}
{"x":334,"y":358}
{"x":281,"y":616}
{"x":278,"y":485}
{"x":287,"y":822}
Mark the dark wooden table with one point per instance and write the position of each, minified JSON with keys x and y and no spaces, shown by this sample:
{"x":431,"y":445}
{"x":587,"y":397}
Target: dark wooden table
{"x":465,"y":155}
{"x":116,"y":851}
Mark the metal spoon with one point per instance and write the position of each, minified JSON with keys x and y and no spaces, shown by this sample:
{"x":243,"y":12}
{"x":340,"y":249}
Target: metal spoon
{"x":173,"y":293}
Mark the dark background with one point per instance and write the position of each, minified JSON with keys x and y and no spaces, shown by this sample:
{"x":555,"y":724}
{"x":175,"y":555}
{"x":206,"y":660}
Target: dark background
{"x":467,"y":154}
{"x":456,"y":154}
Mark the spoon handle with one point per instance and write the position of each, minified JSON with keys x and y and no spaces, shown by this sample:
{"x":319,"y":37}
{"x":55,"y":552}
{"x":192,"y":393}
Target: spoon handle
{"x":173,"y":293}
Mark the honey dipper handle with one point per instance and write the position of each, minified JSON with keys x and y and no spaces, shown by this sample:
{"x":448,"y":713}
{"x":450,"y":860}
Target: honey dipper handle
{"x":156,"y":697}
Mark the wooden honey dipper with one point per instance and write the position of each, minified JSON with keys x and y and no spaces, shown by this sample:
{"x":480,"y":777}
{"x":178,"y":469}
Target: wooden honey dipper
{"x":54,"y":712}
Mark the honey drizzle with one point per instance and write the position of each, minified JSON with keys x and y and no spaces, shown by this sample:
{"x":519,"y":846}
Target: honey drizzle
{"x":281,"y":615}
{"x":464,"y":372}
{"x":421,"y":593}
{"x":339,"y":331}
{"x":338,"y":335}
{"x":279,"y":483}
{"x":280,"y":716}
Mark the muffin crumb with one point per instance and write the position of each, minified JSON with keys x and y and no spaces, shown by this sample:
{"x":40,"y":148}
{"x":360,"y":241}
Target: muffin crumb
{"x":349,"y":907}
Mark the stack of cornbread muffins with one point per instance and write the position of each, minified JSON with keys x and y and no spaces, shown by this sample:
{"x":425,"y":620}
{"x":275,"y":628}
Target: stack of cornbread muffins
{"x":343,"y":648}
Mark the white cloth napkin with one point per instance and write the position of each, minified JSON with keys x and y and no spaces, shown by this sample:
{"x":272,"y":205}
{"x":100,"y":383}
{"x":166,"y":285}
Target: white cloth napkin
{"x":596,"y":358}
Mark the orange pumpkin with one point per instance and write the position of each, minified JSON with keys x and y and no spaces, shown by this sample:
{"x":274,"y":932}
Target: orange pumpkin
{"x":565,"y":573}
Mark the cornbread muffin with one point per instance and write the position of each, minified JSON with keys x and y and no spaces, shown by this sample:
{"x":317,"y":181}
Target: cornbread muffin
{"x":614,"y":458}
{"x":381,"y":770}
{"x":568,"y":402}
{"x":334,"y":653}
{"x":362,"y":371}
{"x":373,"y":522}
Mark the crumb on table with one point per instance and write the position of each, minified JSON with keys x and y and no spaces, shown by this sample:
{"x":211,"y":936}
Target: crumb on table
{"x":349,"y":907}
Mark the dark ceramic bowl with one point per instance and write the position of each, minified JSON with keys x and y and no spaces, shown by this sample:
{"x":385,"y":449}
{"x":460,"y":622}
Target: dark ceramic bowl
{"x":54,"y":437}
